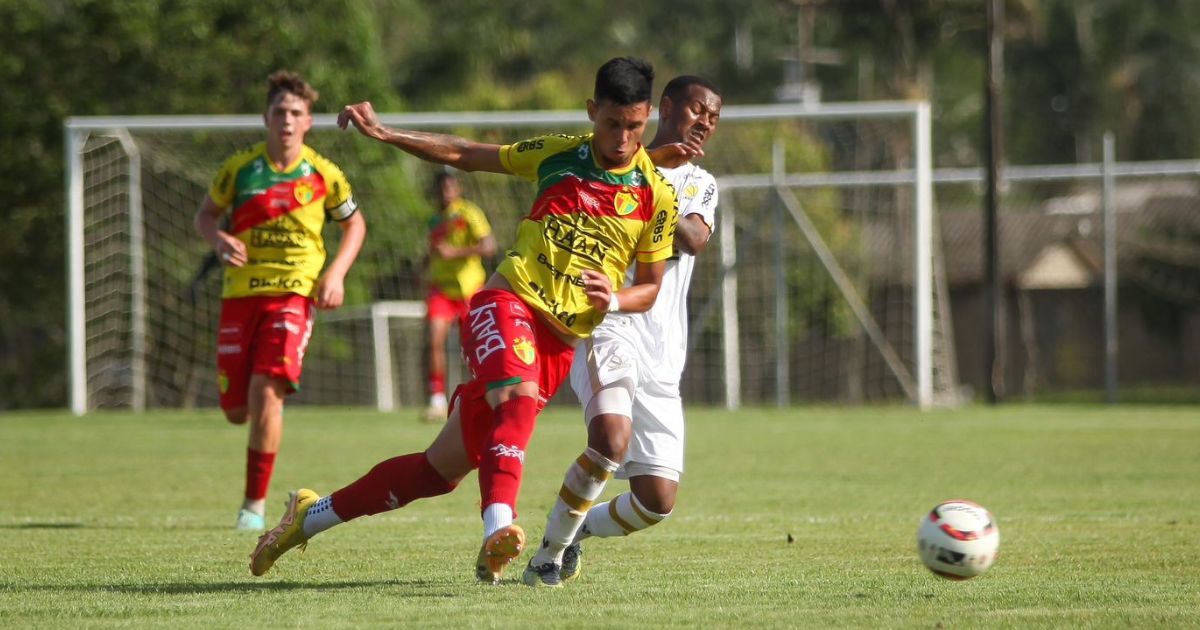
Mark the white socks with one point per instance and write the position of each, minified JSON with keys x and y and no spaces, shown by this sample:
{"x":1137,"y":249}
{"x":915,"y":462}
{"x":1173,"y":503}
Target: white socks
{"x":620,"y":517}
{"x":582,"y":485}
{"x":320,"y":517}
{"x":495,"y":516}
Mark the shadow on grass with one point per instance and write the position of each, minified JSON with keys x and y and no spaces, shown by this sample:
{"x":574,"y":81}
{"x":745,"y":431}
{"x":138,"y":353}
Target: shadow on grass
{"x":195,"y":527}
{"x":43,"y":526}
{"x":194,"y":588}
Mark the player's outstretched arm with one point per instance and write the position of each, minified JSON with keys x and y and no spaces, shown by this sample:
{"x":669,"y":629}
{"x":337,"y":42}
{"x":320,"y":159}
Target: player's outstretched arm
{"x":461,"y":153}
{"x":331,"y":286}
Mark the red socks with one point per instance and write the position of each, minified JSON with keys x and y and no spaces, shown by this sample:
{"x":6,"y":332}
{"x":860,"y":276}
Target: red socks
{"x":437,"y":383}
{"x":396,"y":482}
{"x":391,"y":484}
{"x":503,"y":458}
{"x":259,"y":467}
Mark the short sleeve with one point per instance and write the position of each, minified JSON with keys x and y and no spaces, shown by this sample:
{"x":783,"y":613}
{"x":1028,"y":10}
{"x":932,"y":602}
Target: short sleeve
{"x":523,"y":158}
{"x":477,"y":222}
{"x":658,"y":238}
{"x":339,"y":200}
{"x":704,"y":202}
{"x":222,"y":189}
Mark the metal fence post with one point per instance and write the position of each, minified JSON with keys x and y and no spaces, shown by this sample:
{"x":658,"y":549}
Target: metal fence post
{"x":1110,"y":271}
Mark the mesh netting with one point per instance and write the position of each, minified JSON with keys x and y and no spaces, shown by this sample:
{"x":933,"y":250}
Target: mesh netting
{"x":799,"y":338}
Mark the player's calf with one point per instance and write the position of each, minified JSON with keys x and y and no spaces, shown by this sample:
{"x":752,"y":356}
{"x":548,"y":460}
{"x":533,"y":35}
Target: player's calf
{"x":621,"y":516}
{"x":582,"y":485}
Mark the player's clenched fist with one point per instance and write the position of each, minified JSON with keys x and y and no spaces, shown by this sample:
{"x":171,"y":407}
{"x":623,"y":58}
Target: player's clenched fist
{"x":598,"y":288}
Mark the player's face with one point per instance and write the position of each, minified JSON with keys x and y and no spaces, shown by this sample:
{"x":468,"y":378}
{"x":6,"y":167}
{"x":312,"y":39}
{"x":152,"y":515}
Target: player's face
{"x":618,"y":130}
{"x":448,"y":191}
{"x":288,"y":119}
{"x":694,"y":117}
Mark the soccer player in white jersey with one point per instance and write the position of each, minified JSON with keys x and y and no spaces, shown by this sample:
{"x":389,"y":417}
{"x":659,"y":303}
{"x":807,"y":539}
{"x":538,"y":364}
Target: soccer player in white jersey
{"x":627,"y":373}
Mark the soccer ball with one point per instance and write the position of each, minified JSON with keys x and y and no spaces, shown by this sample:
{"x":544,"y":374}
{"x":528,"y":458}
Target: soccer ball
{"x":958,"y":540}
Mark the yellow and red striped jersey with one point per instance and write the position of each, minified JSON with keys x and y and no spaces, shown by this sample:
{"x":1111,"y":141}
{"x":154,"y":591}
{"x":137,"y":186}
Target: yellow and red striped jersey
{"x":279,"y":214}
{"x":584,"y":217}
{"x":461,"y":224}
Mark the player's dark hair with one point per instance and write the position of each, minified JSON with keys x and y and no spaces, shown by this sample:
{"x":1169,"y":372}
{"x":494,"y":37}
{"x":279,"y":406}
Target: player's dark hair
{"x":677,"y":88}
{"x":624,"y":81}
{"x":282,"y":81}
{"x":442,"y":176}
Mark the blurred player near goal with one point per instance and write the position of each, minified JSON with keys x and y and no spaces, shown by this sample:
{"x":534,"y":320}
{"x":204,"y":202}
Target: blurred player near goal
{"x":278,"y":195}
{"x":600,"y":205}
{"x":459,"y":238}
{"x":627,"y":373}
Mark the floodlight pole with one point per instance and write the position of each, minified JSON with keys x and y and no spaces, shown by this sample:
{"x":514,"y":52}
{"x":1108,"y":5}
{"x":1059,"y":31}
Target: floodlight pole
{"x":1110,"y":270}
{"x":993,"y":155}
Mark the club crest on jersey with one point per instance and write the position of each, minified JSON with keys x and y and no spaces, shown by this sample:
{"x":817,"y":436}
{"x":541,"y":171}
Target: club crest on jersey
{"x":690,"y":191}
{"x":304,"y":192}
{"x":222,"y":381}
{"x":523,"y":348}
{"x":625,"y":203}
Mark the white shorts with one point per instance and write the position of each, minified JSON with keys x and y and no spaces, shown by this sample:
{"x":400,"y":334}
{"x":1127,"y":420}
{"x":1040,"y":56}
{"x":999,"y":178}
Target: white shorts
{"x":607,"y":361}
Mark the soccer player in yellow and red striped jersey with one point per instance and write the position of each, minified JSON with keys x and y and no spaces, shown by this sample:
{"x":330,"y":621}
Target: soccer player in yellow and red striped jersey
{"x":459,"y":238}
{"x":627,"y":374}
{"x":600,"y":205}
{"x":278,"y":195}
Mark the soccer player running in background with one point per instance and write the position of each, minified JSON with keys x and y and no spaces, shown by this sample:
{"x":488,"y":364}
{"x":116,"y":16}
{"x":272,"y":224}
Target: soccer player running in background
{"x":459,"y":237}
{"x":627,"y":373}
{"x":600,"y":205}
{"x":278,"y":194}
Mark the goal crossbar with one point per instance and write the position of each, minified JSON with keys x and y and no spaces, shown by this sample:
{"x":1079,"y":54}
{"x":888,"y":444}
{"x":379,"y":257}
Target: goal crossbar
{"x":919,"y":177}
{"x":526,"y":118}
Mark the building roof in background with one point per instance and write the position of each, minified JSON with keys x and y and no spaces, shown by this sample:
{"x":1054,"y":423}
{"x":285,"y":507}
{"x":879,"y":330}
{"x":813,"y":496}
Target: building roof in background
{"x":1072,"y":226}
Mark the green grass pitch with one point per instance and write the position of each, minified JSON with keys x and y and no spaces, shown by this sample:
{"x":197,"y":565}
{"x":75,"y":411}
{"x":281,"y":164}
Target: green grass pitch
{"x":118,"y":520}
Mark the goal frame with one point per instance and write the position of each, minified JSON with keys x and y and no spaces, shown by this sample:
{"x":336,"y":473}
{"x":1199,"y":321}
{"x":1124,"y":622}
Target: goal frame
{"x":920,"y":390}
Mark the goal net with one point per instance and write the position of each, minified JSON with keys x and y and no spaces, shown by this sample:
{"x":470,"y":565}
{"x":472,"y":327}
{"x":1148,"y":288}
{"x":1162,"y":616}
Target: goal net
{"x":820,"y":284}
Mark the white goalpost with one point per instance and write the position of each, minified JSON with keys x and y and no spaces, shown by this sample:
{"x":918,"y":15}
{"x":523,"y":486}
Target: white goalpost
{"x":822,"y":282}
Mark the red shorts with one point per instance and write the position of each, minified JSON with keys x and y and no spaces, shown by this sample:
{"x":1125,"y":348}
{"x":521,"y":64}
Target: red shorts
{"x":261,"y":335}
{"x":439,"y":306}
{"x":505,"y":343}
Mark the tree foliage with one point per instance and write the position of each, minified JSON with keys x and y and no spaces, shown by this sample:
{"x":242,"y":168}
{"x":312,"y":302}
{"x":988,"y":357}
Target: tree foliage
{"x":1075,"y":69}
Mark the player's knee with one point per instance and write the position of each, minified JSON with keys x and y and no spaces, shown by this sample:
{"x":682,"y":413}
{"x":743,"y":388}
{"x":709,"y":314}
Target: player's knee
{"x":661,"y":503}
{"x":452,"y":475}
{"x":609,"y":435}
{"x":655,"y":493}
{"x":236,"y":415}
{"x":449,"y":462}
{"x":611,"y":444}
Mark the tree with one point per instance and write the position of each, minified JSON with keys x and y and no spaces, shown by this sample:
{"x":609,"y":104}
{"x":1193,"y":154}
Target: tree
{"x":134,"y":58}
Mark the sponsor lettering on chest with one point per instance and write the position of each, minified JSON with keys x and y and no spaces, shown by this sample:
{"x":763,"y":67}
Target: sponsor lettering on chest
{"x":574,"y":238}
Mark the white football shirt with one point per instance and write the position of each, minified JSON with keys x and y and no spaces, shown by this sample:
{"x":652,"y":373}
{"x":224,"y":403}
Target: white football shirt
{"x":663,"y":330}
